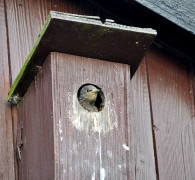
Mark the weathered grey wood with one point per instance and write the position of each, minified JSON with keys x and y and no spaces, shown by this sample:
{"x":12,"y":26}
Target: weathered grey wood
{"x":141,"y":143}
{"x":90,"y":145}
{"x":141,"y":13}
{"x":180,"y":12}
{"x":61,"y":140}
{"x":6,"y":134}
{"x":171,"y":113}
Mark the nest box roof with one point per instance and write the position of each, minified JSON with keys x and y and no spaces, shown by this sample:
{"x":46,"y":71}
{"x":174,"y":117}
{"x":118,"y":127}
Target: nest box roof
{"x":83,"y":36}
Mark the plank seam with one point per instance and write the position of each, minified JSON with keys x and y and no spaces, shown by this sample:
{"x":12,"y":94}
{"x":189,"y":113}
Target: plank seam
{"x":193,"y":87}
{"x":152,"y":120}
{"x":8,"y":45}
{"x":10,"y":82}
{"x":126,"y":93}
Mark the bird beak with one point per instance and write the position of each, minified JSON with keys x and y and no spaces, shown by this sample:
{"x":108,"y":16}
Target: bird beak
{"x":96,"y":91}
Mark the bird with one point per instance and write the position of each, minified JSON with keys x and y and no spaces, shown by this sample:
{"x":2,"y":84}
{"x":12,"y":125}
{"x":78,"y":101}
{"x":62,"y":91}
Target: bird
{"x":87,"y":97}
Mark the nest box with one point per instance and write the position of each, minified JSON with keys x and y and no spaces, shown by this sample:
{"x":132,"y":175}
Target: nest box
{"x":58,"y":137}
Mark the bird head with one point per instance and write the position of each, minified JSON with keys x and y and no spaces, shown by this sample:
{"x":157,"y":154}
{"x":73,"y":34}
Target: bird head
{"x":89,"y":93}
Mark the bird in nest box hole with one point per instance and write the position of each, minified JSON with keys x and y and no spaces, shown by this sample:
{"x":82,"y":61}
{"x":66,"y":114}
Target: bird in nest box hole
{"x":88,"y":98}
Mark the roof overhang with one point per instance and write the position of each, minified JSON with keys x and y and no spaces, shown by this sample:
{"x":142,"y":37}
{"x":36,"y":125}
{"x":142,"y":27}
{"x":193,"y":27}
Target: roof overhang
{"x":174,"y":21}
{"x":83,"y":36}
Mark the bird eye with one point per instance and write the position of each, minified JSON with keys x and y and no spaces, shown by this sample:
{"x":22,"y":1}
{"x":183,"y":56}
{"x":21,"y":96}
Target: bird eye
{"x":89,"y":90}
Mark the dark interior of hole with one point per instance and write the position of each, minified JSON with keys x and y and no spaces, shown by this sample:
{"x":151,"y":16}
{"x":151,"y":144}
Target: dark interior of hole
{"x":99,"y":102}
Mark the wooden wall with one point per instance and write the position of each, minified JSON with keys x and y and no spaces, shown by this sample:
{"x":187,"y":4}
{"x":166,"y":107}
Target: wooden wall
{"x":162,"y":96}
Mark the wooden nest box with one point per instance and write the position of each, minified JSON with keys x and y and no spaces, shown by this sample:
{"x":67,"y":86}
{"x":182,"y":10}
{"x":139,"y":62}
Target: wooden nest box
{"x":58,"y":137}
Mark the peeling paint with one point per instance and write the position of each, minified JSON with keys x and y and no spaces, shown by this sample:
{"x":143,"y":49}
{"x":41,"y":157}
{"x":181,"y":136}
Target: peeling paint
{"x":84,"y":120}
{"x":109,"y":153}
{"x":100,"y":153}
{"x":102,"y":173}
{"x":93,"y":176}
{"x":125,"y":147}
{"x":60,"y":126}
{"x":6,"y":83}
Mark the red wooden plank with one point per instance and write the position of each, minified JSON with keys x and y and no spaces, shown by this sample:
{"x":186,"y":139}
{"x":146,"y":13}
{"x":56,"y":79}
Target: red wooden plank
{"x":172,"y":121}
{"x":141,"y":143}
{"x":90,"y":145}
{"x":36,"y":120}
{"x":6,"y":135}
{"x":25,"y":20}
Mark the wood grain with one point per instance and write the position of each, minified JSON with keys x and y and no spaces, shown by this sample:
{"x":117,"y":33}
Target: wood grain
{"x":36,"y":129}
{"x":141,"y":143}
{"x":179,"y":12}
{"x":6,"y":134}
{"x":171,"y":104}
{"x":174,"y":127}
{"x":25,"y":20}
{"x":90,"y":145}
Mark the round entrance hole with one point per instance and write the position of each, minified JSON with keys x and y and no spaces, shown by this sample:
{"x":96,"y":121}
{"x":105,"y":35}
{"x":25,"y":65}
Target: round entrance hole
{"x":91,"y":97}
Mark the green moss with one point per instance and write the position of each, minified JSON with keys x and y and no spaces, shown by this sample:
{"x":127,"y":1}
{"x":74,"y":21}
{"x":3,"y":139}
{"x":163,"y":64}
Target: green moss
{"x":91,"y":38}
{"x":11,"y":93}
{"x":85,"y":27}
{"x":101,"y":31}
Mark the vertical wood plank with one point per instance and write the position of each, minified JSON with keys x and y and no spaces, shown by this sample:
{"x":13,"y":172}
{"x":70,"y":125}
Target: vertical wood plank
{"x":6,"y":134}
{"x":35,"y":115}
{"x":170,"y":99}
{"x":25,"y":20}
{"x":141,"y":142}
{"x":90,"y":145}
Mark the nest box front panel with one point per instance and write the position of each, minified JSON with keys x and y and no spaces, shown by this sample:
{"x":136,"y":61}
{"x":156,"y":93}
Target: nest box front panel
{"x":91,"y":119}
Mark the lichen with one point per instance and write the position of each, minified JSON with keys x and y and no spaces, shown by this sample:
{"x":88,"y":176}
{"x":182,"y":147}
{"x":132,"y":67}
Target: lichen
{"x":15,"y":99}
{"x":11,"y":93}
